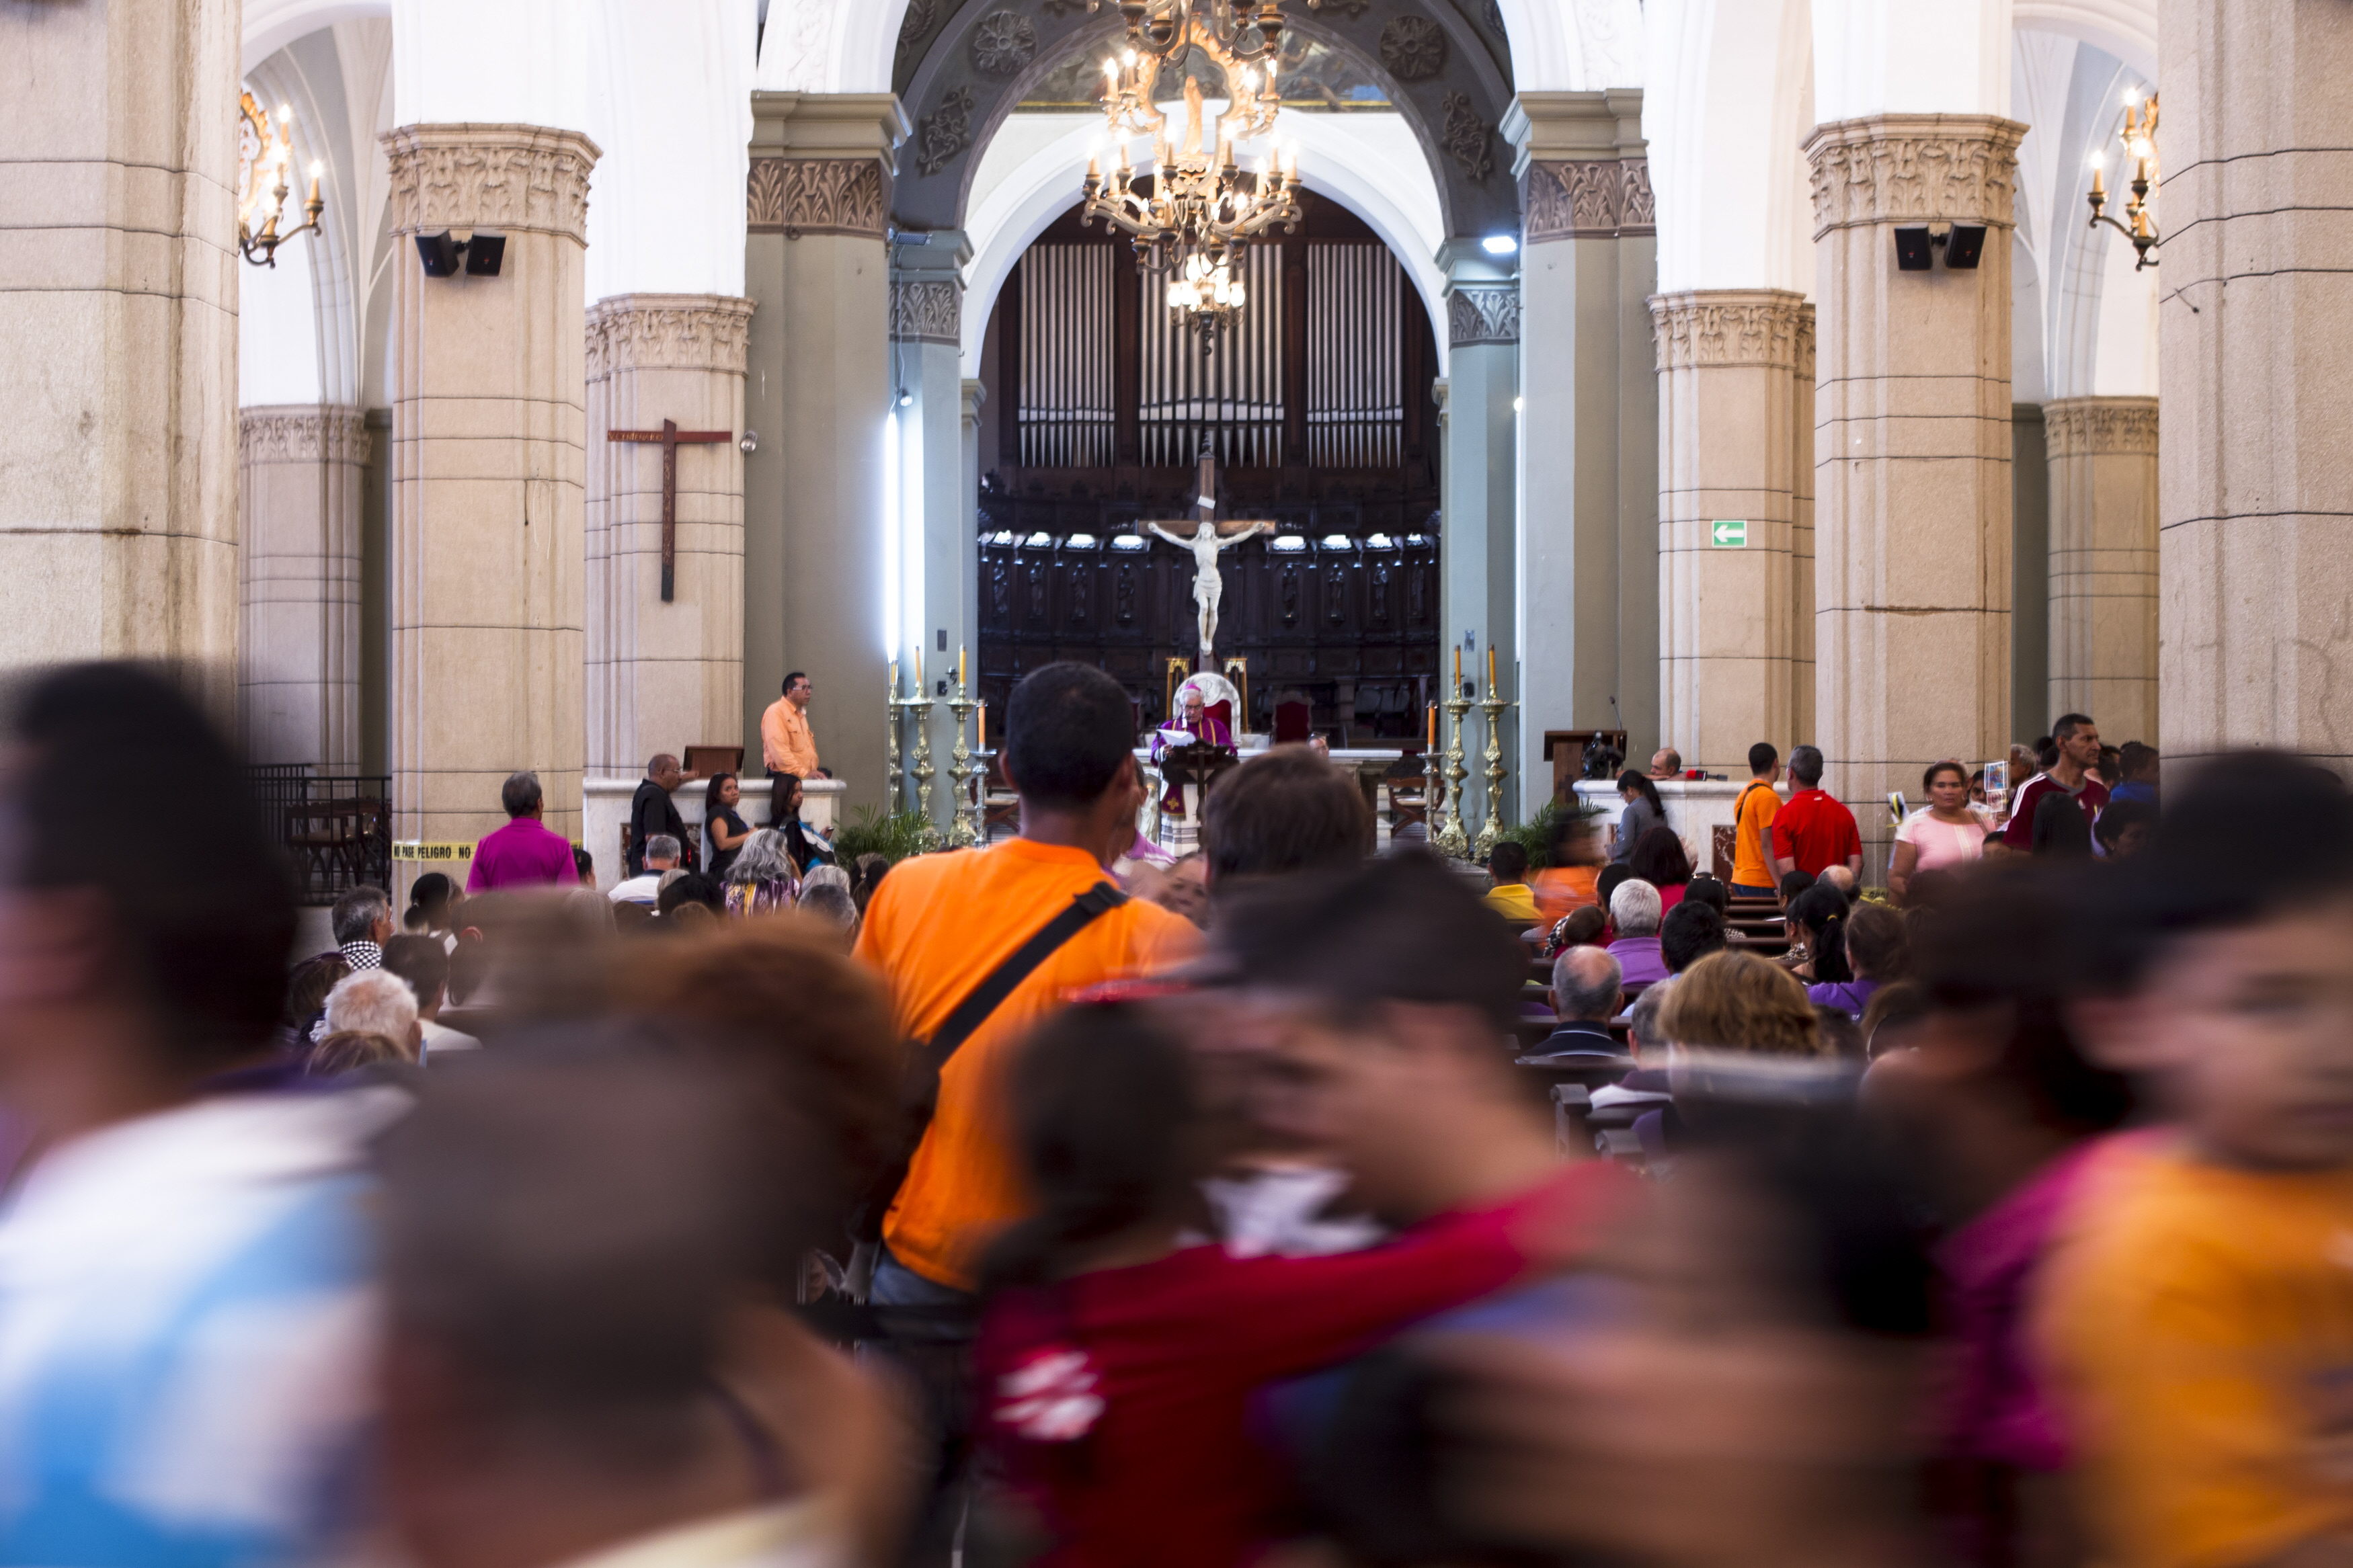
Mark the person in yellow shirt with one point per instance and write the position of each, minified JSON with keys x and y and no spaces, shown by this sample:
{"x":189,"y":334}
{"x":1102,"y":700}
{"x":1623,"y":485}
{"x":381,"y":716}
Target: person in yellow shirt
{"x":2195,"y":1314}
{"x":788,"y":745}
{"x":1510,"y":896}
{"x":1752,"y":851}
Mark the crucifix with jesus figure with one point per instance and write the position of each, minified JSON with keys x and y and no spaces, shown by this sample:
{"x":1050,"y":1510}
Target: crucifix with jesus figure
{"x":671,"y":438}
{"x":1207,"y":543}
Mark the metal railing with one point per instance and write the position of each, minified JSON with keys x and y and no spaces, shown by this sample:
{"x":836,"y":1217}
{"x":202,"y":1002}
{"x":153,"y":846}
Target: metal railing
{"x":337,"y":829}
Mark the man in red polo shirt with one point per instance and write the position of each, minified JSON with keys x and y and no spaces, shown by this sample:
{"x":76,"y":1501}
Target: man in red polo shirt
{"x":1813,"y":832}
{"x":2078,"y":740}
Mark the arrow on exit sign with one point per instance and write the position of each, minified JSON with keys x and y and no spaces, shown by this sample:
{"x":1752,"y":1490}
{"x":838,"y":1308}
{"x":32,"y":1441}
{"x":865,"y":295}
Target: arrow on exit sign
{"x":1731,"y":535}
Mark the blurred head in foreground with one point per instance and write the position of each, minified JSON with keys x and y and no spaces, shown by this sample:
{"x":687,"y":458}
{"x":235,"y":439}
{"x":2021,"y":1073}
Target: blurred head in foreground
{"x":126,"y":975}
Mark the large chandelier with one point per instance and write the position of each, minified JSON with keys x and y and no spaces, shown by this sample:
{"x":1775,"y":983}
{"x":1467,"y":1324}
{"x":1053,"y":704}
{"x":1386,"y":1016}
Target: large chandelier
{"x":1193,"y":207}
{"x":2140,"y":146}
{"x":264,"y":152}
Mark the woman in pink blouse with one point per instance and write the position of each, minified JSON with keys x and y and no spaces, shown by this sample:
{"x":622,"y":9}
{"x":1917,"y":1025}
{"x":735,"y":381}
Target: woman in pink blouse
{"x":1947,"y":832}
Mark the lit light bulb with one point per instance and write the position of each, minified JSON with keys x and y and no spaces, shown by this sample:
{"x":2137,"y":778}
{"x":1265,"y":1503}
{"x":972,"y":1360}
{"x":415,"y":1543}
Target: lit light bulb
{"x":2099,"y":161}
{"x":317,"y":169}
{"x":2132,"y":98}
{"x":285,"y":115}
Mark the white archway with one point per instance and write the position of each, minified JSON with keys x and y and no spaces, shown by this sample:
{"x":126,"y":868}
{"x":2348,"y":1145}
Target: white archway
{"x":272,"y":25}
{"x":1031,"y":173}
{"x":2125,"y":28}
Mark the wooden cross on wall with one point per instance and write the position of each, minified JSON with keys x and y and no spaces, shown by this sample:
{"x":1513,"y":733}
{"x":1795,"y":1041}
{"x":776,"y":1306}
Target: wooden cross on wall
{"x":670,"y":438}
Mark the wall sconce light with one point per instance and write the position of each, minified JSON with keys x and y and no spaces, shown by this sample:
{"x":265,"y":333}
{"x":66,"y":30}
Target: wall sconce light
{"x":2140,"y":145}
{"x":264,"y":152}
{"x":1963,"y":244}
{"x":483,"y":254}
{"x":750,"y":442}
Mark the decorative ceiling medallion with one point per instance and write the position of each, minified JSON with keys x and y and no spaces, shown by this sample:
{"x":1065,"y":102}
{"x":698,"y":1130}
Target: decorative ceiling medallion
{"x":1003,"y":44}
{"x":1413,"y":49}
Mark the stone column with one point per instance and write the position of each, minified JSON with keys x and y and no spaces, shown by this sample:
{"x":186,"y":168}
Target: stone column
{"x":927,"y":352}
{"x":664,"y":675}
{"x":2030,"y":576}
{"x":488,"y":478}
{"x":2103,"y":561}
{"x":819,"y":390}
{"x":2256,"y":496}
{"x":1802,"y":564}
{"x":1912,"y":456}
{"x":1589,"y":541}
{"x":1478,"y":544}
{"x":118,"y":305}
{"x":300,"y":501}
{"x":1728,"y":453}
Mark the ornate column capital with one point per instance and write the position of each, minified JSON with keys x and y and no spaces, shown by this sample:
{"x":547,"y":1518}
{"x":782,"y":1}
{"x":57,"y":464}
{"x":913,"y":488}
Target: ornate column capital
{"x":1709,"y":327}
{"x":927,"y":311}
{"x":2100,"y":426}
{"x":302,"y":433}
{"x":1482,"y":313}
{"x":668,"y":332}
{"x":1914,"y":168}
{"x":793,"y":196}
{"x":501,"y":177}
{"x":1588,"y":198}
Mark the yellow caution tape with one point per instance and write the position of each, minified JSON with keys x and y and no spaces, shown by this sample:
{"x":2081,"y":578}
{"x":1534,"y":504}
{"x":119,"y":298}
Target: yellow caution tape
{"x":415,"y":849}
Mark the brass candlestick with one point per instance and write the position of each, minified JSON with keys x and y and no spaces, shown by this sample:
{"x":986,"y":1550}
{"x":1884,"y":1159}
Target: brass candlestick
{"x":922,"y":773}
{"x":1455,"y":841}
{"x":893,"y":789}
{"x":960,"y":834}
{"x":1494,"y":707}
{"x":1433,"y":796}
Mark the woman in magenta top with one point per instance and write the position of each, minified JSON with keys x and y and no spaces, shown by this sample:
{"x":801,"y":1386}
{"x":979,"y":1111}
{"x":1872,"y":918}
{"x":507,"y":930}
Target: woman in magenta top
{"x":1121,"y":1347}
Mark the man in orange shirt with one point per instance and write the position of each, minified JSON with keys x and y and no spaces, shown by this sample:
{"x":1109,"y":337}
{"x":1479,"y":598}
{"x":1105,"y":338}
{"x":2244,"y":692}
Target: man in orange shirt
{"x":1752,"y":836}
{"x":941,"y":924}
{"x":786,"y":744}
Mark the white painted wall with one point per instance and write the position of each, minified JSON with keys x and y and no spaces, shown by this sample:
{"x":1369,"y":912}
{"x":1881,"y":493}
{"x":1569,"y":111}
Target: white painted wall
{"x":1729,"y":102}
{"x":278,"y":327}
{"x":669,"y":104}
{"x":1911,"y":56}
{"x":521,"y":62}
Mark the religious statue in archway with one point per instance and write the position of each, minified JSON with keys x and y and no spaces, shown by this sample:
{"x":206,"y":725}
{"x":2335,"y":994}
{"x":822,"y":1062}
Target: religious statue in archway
{"x":1208,"y":543}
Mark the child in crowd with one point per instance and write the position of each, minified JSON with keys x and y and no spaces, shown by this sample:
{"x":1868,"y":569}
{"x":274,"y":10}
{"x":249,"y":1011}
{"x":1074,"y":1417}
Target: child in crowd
{"x":1120,"y":1348}
{"x":2197,"y":1317}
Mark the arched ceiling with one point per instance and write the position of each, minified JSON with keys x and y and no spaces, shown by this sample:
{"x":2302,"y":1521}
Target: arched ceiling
{"x":962,"y":69}
{"x":2125,"y":28}
{"x":272,"y":25}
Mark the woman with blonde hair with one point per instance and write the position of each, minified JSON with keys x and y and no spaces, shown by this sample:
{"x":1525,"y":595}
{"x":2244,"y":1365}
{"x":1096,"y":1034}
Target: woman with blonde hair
{"x":1734,"y":1001}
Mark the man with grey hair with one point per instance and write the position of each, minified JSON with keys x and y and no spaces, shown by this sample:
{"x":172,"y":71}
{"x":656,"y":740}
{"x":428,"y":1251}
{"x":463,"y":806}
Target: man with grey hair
{"x":653,"y":814}
{"x":1841,"y":877}
{"x":1634,"y":911}
{"x":661,"y":856}
{"x":374,"y":1001}
{"x":1585,"y":989}
{"x":362,"y":922}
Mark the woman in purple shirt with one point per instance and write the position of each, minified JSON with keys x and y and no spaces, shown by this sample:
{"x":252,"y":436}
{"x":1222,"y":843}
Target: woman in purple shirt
{"x":522,"y":854}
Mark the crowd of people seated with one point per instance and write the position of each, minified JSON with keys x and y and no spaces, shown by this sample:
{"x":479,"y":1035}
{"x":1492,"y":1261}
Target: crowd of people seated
{"x":1989,"y":1204}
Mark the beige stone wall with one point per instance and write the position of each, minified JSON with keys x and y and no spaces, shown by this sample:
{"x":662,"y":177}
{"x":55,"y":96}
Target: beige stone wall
{"x":299,"y":651}
{"x":1802,"y":564}
{"x":117,"y":308}
{"x":2255,"y":333}
{"x":662,"y":677}
{"x":1728,"y":449}
{"x":1912,"y":456}
{"x":2103,"y":464}
{"x":488,"y":478}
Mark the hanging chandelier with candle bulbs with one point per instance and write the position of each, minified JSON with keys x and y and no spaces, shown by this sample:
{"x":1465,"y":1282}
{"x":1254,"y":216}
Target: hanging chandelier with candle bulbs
{"x":1193,"y":205}
{"x":265,"y":151}
{"x":2140,"y":148}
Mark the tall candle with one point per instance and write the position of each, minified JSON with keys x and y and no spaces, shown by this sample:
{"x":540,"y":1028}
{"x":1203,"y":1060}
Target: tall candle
{"x":1433,"y":726}
{"x":894,"y":678}
{"x":919,"y":670}
{"x":1491,"y":670}
{"x":983,"y":712}
{"x":960,"y":666}
{"x":1458,"y":673}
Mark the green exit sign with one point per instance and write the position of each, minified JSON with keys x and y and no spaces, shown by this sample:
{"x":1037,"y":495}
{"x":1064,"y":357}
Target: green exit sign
{"x":1729,"y":534}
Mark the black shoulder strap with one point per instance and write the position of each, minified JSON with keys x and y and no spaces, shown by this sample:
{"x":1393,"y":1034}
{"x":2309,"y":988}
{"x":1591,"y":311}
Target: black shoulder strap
{"x":1006,"y":978}
{"x":921,"y":1094}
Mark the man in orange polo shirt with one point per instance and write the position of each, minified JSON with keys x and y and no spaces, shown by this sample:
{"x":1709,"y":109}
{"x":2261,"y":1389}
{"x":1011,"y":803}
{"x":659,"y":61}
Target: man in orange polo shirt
{"x":941,"y":924}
